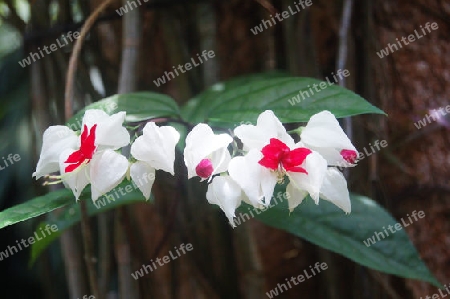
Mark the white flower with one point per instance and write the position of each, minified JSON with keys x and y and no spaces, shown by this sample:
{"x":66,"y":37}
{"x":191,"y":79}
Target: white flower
{"x":324,"y":135}
{"x":205,"y":153}
{"x":274,"y":154}
{"x":154,"y":150}
{"x":224,"y":192}
{"x":88,"y":158}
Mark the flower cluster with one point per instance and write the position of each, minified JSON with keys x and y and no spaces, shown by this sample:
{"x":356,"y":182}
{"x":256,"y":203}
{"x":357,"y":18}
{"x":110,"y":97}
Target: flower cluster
{"x":269,"y":157}
{"x":93,"y":157}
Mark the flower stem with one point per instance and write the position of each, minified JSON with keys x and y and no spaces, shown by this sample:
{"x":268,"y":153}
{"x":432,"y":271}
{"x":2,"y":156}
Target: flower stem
{"x":174,"y":120}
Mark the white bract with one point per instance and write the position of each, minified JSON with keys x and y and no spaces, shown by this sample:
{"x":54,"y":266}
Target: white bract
{"x":206,"y":153}
{"x":256,"y":181}
{"x":88,"y":158}
{"x":324,"y":135}
{"x":268,"y":126}
{"x":154,"y":150}
{"x":224,"y":192}
{"x":56,"y":139}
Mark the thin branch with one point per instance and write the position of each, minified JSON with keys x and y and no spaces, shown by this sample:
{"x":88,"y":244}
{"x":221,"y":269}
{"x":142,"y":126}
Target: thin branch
{"x":343,"y":51}
{"x":74,"y":57}
{"x":343,"y":54}
{"x":180,"y":121}
{"x":131,"y":43}
{"x":343,"y":37}
{"x":341,"y":63}
{"x":207,"y":29}
{"x":68,"y":111}
{"x":128,"y":80}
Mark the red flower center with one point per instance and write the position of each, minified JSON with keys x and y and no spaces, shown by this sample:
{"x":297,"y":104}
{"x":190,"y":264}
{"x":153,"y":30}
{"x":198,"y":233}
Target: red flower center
{"x":86,"y":151}
{"x":204,"y":169}
{"x":349,"y":155}
{"x":277,"y":154}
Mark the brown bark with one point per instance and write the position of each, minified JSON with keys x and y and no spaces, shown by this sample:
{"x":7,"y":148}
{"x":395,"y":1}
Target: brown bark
{"x":412,"y":81}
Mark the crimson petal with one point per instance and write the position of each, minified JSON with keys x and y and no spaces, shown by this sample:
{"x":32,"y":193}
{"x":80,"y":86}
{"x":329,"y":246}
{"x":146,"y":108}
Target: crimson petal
{"x":72,"y":167}
{"x":295,"y":157}
{"x":296,"y":169}
{"x":349,"y":155}
{"x":269,"y":163}
{"x":273,"y":152}
{"x":274,"y":148}
{"x":88,"y":144}
{"x":75,"y":157}
{"x":84,"y":134}
{"x":86,"y":151}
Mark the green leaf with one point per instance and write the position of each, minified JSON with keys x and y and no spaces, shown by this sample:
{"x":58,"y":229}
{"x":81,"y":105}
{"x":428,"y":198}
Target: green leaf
{"x":327,"y":226}
{"x":197,"y":109}
{"x":36,"y":207}
{"x":139,"y":106}
{"x":71,"y":214}
{"x":244,"y":100}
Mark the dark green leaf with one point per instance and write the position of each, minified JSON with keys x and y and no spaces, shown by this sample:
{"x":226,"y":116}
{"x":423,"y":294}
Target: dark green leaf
{"x":197,"y":109}
{"x":327,"y":226}
{"x":71,"y":215}
{"x":292,"y":99}
{"x":35,"y":207}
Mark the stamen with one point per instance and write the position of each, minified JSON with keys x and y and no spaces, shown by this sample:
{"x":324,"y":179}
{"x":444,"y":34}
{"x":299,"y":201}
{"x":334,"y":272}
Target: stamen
{"x":280,"y":174}
{"x":52,"y":177}
{"x":52,"y":180}
{"x":51,"y":183}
